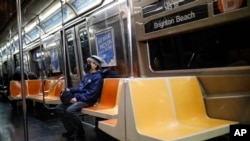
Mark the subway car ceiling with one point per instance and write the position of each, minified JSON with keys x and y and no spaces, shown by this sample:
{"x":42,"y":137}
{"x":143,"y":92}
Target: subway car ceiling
{"x":42,"y":18}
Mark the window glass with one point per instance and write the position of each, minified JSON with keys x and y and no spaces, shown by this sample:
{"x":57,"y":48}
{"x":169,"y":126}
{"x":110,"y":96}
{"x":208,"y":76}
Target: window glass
{"x":220,"y":46}
{"x":71,"y":53}
{"x":84,"y":44}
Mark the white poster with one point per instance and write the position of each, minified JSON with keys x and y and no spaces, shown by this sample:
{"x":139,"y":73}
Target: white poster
{"x":106,"y":47}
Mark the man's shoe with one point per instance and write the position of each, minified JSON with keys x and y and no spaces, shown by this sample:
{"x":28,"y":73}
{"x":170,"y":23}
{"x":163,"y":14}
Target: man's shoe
{"x":67,"y":134}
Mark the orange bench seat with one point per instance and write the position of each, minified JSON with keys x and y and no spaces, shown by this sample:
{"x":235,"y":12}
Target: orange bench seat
{"x":51,"y":93}
{"x":107,"y":108}
{"x":169,"y":108}
{"x":34,"y":90}
{"x":115,"y":127}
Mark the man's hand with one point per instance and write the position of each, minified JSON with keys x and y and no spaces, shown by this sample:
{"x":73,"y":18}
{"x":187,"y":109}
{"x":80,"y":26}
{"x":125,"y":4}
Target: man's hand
{"x":73,"y":100}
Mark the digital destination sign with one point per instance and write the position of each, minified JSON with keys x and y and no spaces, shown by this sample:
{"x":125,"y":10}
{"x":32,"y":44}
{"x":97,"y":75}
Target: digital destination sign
{"x":182,"y":17}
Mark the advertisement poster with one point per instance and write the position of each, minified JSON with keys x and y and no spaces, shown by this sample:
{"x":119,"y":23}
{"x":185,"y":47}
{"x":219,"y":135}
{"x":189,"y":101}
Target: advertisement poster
{"x":106,"y":47}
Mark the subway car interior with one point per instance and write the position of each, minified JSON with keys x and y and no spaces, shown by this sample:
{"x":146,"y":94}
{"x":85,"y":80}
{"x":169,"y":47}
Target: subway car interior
{"x":172,"y":70}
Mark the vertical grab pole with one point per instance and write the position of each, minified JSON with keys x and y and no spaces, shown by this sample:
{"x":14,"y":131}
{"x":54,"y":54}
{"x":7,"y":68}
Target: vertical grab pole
{"x":11,"y":53}
{"x":129,"y":28}
{"x":63,"y":45}
{"x":19,"y":24}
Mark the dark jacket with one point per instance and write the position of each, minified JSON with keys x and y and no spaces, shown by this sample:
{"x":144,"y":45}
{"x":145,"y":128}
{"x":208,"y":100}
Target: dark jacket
{"x":17,"y":76}
{"x":89,"y":89}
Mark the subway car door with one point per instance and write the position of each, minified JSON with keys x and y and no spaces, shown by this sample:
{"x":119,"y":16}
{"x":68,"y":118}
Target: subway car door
{"x":108,"y":38}
{"x":83,"y":46}
{"x":73,"y":74}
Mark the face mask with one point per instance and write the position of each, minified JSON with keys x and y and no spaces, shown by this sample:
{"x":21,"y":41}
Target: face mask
{"x":87,"y":67}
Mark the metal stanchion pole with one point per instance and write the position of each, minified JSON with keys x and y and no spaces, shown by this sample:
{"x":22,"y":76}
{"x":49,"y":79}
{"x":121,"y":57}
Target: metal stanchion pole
{"x":129,"y":28}
{"x":19,"y":25}
{"x":63,"y":45}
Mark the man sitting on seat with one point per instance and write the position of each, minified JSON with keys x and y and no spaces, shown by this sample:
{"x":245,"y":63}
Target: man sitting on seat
{"x":85,"y":95}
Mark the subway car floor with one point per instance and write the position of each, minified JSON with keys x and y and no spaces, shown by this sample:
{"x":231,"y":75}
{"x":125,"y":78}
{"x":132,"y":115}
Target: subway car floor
{"x":42,"y":125}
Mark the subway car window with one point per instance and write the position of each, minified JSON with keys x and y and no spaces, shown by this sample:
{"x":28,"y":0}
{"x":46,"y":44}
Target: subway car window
{"x":26,"y":62}
{"x":206,"y":48}
{"x":55,"y":62}
{"x":16,"y":60}
{"x":71,"y":53}
{"x":84,"y":40}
